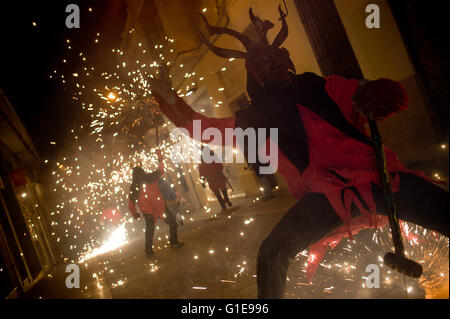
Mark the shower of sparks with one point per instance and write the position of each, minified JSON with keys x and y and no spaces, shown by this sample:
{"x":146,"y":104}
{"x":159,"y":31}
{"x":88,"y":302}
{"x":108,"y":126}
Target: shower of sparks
{"x":153,"y":268}
{"x":118,"y":238}
{"x":112,"y":136}
{"x":114,"y":132}
{"x":342,"y":272}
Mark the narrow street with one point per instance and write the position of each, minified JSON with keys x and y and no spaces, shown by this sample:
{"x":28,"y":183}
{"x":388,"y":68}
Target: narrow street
{"x":219,"y":261}
{"x":120,"y":120}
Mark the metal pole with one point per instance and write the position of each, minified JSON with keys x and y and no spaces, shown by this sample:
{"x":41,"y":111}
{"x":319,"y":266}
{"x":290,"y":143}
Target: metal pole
{"x":383,"y":173}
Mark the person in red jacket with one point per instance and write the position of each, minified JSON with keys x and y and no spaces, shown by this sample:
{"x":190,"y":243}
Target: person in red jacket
{"x":324,"y":151}
{"x":145,"y":192}
{"x":217,"y":182}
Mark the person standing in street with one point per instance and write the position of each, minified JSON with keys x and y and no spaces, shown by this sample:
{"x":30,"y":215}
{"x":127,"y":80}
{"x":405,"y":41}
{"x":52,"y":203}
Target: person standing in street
{"x":213,"y":174}
{"x":145,"y":192}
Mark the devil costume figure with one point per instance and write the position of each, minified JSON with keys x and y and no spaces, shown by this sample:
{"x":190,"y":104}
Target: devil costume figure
{"x":324,"y":152}
{"x":217,"y":182}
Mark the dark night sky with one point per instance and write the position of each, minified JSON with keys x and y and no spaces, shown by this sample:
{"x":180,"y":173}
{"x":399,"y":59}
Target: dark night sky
{"x":30,"y":54}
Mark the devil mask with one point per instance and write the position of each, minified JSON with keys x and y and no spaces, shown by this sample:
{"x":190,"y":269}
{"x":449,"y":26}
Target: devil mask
{"x":266,"y":63}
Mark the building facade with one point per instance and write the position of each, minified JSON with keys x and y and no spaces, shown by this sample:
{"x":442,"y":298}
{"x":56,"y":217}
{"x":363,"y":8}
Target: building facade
{"x":26,"y":251}
{"x":325,"y":37}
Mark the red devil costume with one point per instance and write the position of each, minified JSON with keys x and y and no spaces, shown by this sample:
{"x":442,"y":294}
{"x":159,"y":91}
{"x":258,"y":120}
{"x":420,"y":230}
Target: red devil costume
{"x":213,"y":173}
{"x":146,"y":193}
{"x":324,"y":152}
{"x":217,"y":182}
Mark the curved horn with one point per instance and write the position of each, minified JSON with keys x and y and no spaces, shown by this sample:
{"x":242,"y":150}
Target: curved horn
{"x":213,"y":30}
{"x":256,"y":21}
{"x":282,"y":35}
{"x":262,"y":27}
{"x":223,"y":53}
